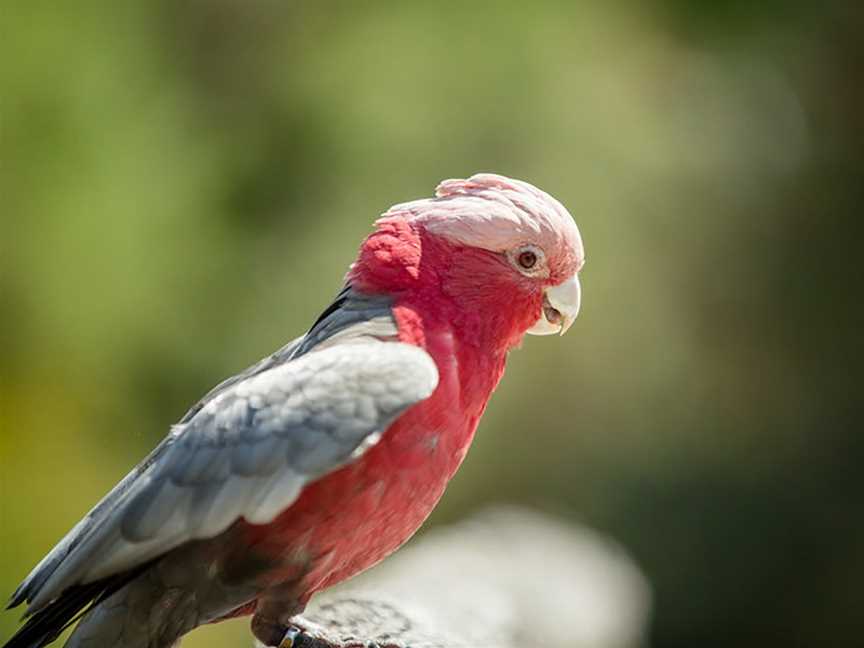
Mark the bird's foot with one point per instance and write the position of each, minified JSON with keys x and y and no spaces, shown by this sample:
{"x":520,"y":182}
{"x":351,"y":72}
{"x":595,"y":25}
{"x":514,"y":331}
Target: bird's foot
{"x":291,"y":638}
{"x":274,"y":635}
{"x":295,"y":637}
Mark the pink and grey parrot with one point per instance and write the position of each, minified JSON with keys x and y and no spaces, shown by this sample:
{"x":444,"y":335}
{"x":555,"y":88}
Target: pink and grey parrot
{"x":320,"y":460}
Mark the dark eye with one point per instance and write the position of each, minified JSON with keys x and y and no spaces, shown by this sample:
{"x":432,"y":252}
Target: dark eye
{"x":527,"y":259}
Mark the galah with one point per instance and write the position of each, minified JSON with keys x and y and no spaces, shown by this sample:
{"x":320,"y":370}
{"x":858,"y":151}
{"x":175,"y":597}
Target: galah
{"x":320,"y":460}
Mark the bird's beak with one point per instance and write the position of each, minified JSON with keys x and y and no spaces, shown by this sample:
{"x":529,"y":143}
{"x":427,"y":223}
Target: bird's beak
{"x":560,"y":308}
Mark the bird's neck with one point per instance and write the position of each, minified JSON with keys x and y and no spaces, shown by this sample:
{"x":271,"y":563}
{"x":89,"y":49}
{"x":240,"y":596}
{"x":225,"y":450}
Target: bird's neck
{"x":443,"y":287}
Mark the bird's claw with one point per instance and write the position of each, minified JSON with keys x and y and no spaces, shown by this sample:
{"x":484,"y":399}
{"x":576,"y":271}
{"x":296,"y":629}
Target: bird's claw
{"x":290,"y":637}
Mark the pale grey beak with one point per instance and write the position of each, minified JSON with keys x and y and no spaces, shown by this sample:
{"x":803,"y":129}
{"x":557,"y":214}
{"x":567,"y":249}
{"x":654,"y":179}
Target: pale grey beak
{"x":560,"y":308}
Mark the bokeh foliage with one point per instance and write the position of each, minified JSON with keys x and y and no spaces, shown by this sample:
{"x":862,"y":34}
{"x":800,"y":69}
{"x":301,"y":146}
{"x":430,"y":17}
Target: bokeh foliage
{"x":182,"y":186}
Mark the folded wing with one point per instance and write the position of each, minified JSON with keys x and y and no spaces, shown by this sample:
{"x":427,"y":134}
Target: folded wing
{"x":245,"y":453}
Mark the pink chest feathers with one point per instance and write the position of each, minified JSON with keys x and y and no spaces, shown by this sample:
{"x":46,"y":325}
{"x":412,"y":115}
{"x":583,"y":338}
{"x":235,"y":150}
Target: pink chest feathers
{"x":354,"y":517}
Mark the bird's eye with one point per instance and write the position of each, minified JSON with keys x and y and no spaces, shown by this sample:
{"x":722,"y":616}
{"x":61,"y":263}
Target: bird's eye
{"x":527,"y":259}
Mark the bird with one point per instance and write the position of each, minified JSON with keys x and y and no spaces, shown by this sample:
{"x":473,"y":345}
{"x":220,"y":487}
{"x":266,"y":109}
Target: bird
{"x":323,"y":458}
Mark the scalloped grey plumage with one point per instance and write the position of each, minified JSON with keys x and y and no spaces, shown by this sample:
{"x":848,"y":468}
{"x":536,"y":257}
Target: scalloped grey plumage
{"x":248,"y":447}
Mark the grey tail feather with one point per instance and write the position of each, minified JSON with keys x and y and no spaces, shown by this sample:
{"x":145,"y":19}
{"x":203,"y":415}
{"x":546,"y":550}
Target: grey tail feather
{"x":18,"y":597}
{"x":47,"y":624}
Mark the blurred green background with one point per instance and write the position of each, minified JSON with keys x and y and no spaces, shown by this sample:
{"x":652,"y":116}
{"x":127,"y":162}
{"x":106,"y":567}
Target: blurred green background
{"x":183,"y":184}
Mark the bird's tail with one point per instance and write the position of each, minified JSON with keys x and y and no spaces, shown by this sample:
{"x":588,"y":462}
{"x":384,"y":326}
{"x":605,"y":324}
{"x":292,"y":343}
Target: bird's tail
{"x":48,"y":623}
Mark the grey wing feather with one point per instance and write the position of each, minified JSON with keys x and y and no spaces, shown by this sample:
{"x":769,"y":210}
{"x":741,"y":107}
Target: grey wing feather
{"x":248,"y":452}
{"x":283,"y":354}
{"x":248,"y":449}
{"x":351,"y":315}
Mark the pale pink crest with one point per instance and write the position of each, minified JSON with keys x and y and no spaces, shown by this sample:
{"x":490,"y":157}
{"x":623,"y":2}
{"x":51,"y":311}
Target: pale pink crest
{"x":497,"y":213}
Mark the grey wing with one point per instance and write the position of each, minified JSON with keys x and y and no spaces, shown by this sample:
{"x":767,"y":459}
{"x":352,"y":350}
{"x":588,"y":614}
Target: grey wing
{"x":282,"y":355}
{"x":351,"y":315}
{"x":247,"y":454}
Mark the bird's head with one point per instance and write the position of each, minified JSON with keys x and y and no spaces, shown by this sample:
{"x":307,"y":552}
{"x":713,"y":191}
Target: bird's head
{"x":505,"y":253}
